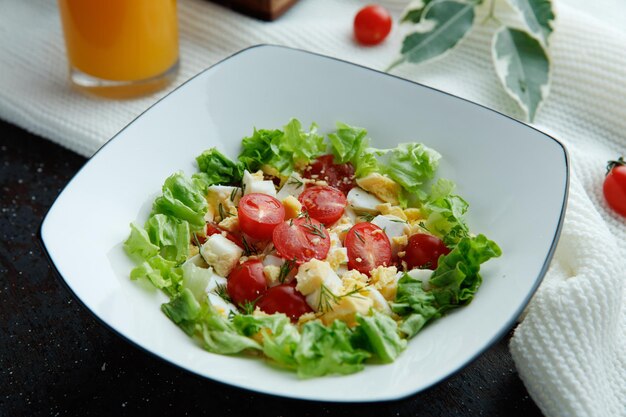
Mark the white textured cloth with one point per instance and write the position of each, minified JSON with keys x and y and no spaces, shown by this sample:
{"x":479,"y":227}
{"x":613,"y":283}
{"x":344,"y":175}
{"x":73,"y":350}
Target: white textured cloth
{"x":570,"y":349}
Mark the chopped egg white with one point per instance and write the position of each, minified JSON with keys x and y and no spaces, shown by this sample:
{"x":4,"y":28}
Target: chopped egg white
{"x":421,"y":274}
{"x":254,"y":183}
{"x":221,"y":254}
{"x":224,"y":195}
{"x":310,"y":277}
{"x":361,"y":201}
{"x":292,"y":187}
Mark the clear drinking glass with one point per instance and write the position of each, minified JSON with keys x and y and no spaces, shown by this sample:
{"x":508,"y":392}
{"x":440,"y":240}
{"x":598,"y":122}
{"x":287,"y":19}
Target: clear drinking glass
{"x":120,"y":48}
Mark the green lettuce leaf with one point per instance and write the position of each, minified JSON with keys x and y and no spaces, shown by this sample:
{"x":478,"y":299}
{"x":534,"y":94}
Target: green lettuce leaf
{"x":416,"y":305}
{"x":378,"y":334}
{"x":280,"y":336}
{"x":183,"y":200}
{"x":218,"y":168}
{"x":171,"y":235}
{"x":453,"y":284}
{"x":444,"y":213}
{"x":327,"y":349}
{"x":163,"y":274}
{"x":457,"y":277}
{"x":283,"y":150}
{"x":347,"y":143}
{"x":196,"y":279}
{"x":138,"y":244}
{"x":411,"y":165}
{"x":201,"y":321}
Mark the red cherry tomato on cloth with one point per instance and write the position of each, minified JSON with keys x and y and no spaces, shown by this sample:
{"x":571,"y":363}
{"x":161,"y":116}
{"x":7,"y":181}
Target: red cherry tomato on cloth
{"x":301,"y":239}
{"x":285,"y":299}
{"x":372,"y":24}
{"x":368,"y":247}
{"x":614,"y":187}
{"x":340,"y":176}
{"x":246,"y":283}
{"x":423,"y":251}
{"x":325,"y":204}
{"x":259,"y":214}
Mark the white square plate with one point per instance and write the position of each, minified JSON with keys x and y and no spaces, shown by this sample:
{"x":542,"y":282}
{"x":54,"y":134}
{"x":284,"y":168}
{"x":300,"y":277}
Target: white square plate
{"x":514,"y":177}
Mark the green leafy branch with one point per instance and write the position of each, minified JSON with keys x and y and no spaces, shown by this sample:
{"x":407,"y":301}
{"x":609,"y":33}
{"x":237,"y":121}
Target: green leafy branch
{"x":520,"y":55}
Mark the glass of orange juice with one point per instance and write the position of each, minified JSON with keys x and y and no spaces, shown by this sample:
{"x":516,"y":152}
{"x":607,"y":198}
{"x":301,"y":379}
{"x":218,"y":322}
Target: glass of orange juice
{"x":120,"y":48}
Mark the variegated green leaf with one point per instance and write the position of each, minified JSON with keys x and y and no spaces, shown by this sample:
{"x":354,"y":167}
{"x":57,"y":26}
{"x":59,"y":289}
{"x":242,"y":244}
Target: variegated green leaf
{"x":452,"y":20}
{"x":538,"y":16}
{"x":523,"y":67}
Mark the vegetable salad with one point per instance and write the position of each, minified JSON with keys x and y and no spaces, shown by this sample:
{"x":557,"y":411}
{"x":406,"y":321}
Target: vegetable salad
{"x":319,"y":253}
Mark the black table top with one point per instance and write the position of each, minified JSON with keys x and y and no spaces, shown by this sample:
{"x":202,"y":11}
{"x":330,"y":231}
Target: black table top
{"x":57,"y":359}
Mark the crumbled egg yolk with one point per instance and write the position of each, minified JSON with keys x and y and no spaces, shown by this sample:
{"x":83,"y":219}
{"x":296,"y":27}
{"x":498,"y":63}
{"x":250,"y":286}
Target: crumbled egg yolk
{"x":381,"y":186}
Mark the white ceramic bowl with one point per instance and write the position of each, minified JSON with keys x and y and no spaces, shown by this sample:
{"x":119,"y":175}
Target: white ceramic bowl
{"x":514,"y":177}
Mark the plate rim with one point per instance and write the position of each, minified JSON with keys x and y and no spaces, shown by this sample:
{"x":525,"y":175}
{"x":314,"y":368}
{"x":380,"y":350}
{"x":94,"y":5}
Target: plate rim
{"x":509,"y":324}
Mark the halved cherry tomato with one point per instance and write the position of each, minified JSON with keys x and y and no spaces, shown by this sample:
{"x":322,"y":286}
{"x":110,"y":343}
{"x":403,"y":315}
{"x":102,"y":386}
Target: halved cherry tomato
{"x":325,"y":204}
{"x":301,"y":239}
{"x":614,"y":187}
{"x":423,"y":251}
{"x":285,"y":299}
{"x":259,"y":214}
{"x":368,"y":247}
{"x":340,"y":176}
{"x":246,"y":283}
{"x":372,"y":24}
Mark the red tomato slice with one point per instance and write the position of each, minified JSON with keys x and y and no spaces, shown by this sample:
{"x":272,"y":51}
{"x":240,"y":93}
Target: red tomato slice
{"x":301,"y":239}
{"x":340,"y":176}
{"x":368,"y":247}
{"x":285,"y":299}
{"x":246,"y":283}
{"x":423,"y":251}
{"x":259,"y":214}
{"x":325,"y":204}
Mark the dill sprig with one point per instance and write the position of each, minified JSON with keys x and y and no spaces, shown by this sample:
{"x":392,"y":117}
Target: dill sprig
{"x":222,"y":292}
{"x":285,"y":269}
{"x":358,"y":235}
{"x":296,"y":182}
{"x":248,"y":249}
{"x":233,"y":194}
{"x":249,"y":306}
{"x":223,"y":213}
{"x":315,"y":229}
{"x":197,"y":242}
{"x":328,"y":298}
{"x":367,"y":217}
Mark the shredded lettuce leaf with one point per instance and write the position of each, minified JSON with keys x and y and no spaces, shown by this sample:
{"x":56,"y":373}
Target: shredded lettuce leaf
{"x":454,"y":283}
{"x":217,"y":168}
{"x":444,"y":213}
{"x":170,"y":235}
{"x":138,"y":244}
{"x":378,"y":334}
{"x":327,"y":349}
{"x":163,"y":274}
{"x":183,"y":200}
{"x":282,"y":150}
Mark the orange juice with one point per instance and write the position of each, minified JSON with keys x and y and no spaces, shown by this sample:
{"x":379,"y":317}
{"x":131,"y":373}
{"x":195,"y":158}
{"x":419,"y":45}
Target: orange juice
{"x":120,"y":40}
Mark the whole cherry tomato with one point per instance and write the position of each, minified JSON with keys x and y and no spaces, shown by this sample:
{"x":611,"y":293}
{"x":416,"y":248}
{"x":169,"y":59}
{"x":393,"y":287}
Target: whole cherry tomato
{"x":246,"y":283}
{"x":323,"y":203}
{"x":285,"y":299}
{"x":423,"y":251}
{"x":259,"y":214}
{"x":614,"y":187}
{"x":372,"y":24}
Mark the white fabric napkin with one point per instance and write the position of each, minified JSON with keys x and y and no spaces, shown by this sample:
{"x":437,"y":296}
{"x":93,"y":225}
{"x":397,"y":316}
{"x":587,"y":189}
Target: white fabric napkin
{"x":570,"y":350}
